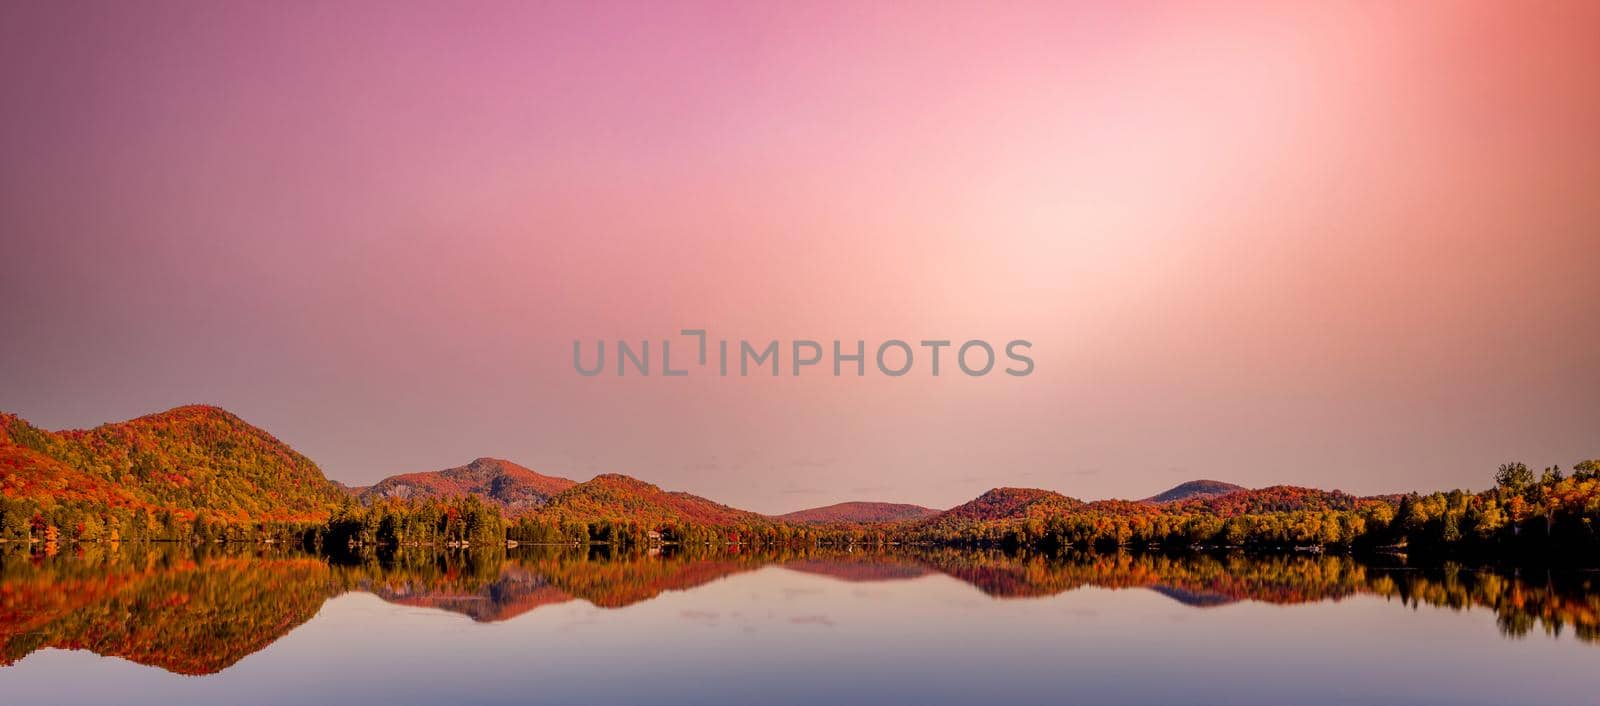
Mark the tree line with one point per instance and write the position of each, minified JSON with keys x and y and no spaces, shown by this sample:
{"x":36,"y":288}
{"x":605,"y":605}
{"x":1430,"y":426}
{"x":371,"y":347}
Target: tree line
{"x":1552,"y":513}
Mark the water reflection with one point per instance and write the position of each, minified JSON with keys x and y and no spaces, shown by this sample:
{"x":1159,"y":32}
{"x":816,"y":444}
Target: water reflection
{"x":199,"y":610}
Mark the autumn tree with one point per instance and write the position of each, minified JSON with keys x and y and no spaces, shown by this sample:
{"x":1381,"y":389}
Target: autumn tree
{"x":1514,"y":477}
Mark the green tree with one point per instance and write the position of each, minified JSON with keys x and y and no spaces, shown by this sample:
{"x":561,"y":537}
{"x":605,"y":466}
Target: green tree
{"x":1552,"y":476}
{"x":1514,"y":477}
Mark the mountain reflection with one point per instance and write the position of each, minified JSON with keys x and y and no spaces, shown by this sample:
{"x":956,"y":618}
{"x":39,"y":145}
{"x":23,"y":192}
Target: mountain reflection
{"x":199,"y":610}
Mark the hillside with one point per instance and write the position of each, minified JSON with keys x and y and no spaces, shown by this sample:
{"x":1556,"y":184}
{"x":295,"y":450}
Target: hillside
{"x":1277,"y":498}
{"x":1259,"y":501}
{"x":858,"y":512}
{"x":617,"y":497}
{"x":1195,"y":489}
{"x":507,"y":484}
{"x":26,"y":473}
{"x":186,"y":459}
{"x":1012,"y":503}
{"x":1000,"y":505}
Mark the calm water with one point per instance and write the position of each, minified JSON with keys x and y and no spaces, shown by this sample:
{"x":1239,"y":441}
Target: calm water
{"x":168,"y":624}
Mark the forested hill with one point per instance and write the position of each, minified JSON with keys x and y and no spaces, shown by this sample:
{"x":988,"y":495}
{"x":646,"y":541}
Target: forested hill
{"x":184,"y":460}
{"x":512,"y":487}
{"x":859,"y":512}
{"x":998,"y":506}
{"x":1194,"y":489}
{"x":616,"y":496}
{"x":200,"y":472}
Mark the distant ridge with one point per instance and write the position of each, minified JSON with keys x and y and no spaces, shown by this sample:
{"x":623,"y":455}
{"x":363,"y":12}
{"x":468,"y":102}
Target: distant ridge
{"x":1195,"y":489}
{"x":507,"y":484}
{"x":201,"y":472}
{"x":859,"y":512}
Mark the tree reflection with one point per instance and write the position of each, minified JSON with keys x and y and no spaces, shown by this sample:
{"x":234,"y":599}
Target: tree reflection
{"x":200,"y":609}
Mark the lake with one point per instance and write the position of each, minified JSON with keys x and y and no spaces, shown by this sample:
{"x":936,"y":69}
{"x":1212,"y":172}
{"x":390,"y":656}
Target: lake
{"x":247,"y":624}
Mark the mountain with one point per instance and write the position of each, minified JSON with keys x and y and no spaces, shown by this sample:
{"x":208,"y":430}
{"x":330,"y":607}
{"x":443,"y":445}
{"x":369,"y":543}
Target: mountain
{"x":1012,"y":503}
{"x":618,"y":497}
{"x":1000,"y":505}
{"x":185,"y":459}
{"x":1277,"y":498}
{"x":27,"y":473}
{"x":513,"y":487}
{"x":856,"y":512}
{"x":1195,"y":489}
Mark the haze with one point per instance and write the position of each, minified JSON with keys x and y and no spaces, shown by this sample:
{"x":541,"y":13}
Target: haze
{"x":1344,"y":245}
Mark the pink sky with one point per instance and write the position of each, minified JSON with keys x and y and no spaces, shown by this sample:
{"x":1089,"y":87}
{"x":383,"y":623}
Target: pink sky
{"x":1336,"y":244}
